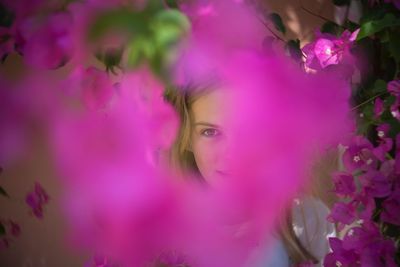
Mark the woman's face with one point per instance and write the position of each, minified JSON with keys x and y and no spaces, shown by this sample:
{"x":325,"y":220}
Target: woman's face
{"x":211,"y":139}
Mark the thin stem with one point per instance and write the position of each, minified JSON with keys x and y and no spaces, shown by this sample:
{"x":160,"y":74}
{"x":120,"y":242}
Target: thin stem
{"x":270,"y":30}
{"x":367,"y":101}
{"x":316,"y":15}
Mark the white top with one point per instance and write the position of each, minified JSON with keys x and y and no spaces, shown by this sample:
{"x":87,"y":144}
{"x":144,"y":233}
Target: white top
{"x":312,"y":229}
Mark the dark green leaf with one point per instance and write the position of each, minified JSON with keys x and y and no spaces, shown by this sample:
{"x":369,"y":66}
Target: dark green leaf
{"x":3,"y":192}
{"x":371,"y":27}
{"x":2,"y":229}
{"x":6,"y":16}
{"x":294,"y":50}
{"x":394,"y":46}
{"x":379,"y":87}
{"x":330,"y":27}
{"x":172,"y":3}
{"x":341,"y":2}
{"x":277,"y":21}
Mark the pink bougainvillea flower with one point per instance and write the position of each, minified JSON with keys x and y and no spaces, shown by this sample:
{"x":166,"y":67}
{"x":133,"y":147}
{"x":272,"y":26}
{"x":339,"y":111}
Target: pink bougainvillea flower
{"x":344,"y":183}
{"x":325,"y":52}
{"x":47,"y":44}
{"x":328,"y":50}
{"x":395,"y":108}
{"x":37,"y":199}
{"x":15,"y":229}
{"x":394,"y":87}
{"x":359,"y":155}
{"x":97,"y":88}
{"x":385,"y":144}
{"x":339,"y":256}
{"x":375,"y":184}
{"x":378,"y":107}
{"x":391,"y":208}
{"x":342,"y":213}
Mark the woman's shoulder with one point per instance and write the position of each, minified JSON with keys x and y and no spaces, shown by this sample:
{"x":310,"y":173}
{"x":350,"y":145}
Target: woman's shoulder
{"x":311,"y":226}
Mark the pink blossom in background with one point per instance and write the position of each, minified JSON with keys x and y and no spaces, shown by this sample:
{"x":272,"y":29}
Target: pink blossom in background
{"x":47,"y":44}
{"x":359,"y":155}
{"x":344,"y":183}
{"x":97,"y":88}
{"x":391,"y":208}
{"x":378,"y":107}
{"x":36,"y":200}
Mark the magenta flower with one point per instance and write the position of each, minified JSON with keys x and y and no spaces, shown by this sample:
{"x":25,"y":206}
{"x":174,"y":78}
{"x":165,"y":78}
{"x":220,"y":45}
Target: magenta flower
{"x":385,"y":143}
{"x":342,"y":213}
{"x":378,"y":107}
{"x":172,"y":259}
{"x":36,"y":200}
{"x":395,"y":108}
{"x":46,"y":44}
{"x":97,"y":89}
{"x":376,"y":184}
{"x":359,"y":155}
{"x":394,"y":87}
{"x":339,"y":256}
{"x":329,"y":50}
{"x":344,"y":183}
{"x":391,"y":208}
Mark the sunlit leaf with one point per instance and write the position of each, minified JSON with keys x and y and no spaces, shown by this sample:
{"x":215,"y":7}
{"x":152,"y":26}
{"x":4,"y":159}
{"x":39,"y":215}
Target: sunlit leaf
{"x":371,"y":27}
{"x":277,"y":21}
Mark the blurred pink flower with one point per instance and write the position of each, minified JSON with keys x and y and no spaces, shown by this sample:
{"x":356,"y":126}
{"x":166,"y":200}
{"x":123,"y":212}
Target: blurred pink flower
{"x":46,"y":44}
{"x":37,"y":199}
{"x":97,"y":88}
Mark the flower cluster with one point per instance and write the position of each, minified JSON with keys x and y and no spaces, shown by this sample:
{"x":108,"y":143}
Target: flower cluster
{"x":370,"y":211}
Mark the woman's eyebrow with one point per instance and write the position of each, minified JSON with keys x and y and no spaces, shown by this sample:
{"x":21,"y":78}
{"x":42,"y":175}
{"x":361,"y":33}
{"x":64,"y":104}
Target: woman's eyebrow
{"x":203,"y":123}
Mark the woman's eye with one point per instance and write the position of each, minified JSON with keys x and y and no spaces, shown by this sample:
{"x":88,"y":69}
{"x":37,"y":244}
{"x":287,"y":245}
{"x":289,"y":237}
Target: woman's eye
{"x":210,"y":132}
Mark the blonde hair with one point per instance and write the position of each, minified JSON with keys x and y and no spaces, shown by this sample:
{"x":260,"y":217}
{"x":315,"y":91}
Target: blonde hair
{"x":182,"y":159}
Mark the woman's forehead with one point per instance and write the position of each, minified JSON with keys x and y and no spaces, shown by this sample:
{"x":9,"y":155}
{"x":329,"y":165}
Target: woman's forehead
{"x":215,"y":107}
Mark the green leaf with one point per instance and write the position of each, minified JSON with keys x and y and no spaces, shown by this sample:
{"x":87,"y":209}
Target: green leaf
{"x":341,"y":2}
{"x":394,"y":46}
{"x":371,"y":27}
{"x":330,"y":27}
{"x":380,"y":86}
{"x":294,"y":50}
{"x":6,"y":16}
{"x":3,"y":192}
{"x":277,"y":21}
{"x":172,"y":3}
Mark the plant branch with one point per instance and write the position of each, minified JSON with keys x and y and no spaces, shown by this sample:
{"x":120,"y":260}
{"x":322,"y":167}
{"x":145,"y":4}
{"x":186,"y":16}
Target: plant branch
{"x":270,"y":30}
{"x":368,"y":100}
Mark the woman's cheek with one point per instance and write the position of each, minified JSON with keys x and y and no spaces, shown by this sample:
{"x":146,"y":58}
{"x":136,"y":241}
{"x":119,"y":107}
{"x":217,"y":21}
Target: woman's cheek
{"x":206,"y":155}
